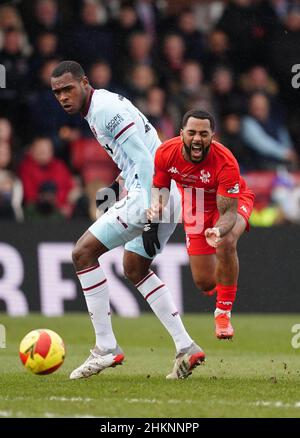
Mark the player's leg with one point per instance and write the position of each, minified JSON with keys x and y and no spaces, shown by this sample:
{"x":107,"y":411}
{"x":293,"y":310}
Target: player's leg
{"x":227,"y":268}
{"x":155,"y":292}
{"x":109,"y":231}
{"x":106,"y":352}
{"x":203,"y":269}
{"x":157,"y":295}
{"x":227,"y":272}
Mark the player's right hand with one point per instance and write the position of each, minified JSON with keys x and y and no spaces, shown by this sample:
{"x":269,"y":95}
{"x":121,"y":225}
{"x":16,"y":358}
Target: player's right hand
{"x":213,"y":237}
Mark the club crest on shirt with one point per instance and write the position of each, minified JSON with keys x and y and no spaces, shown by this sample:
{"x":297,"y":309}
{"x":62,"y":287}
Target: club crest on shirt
{"x":205,"y":176}
{"x":234,"y":190}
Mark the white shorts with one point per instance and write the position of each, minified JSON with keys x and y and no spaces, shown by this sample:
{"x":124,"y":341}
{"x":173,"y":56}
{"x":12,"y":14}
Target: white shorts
{"x":123,"y":223}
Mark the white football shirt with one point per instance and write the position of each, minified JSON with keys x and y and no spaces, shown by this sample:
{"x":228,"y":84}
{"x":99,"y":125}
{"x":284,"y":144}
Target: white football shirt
{"x":113,"y":119}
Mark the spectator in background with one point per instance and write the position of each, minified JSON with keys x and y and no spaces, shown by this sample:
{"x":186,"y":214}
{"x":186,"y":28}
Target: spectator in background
{"x":46,"y":18}
{"x":192,"y":37}
{"x":257,"y":79}
{"x":100,"y":75}
{"x":208,"y":14}
{"x":192,"y":92}
{"x":15,"y":60}
{"x":9,"y":18}
{"x":91,"y":38}
{"x":148,"y":14}
{"x":7,"y":142}
{"x":226,"y":97}
{"x":241,"y":22}
{"x":138,"y":52}
{"x":280,"y":7}
{"x":263,"y":134}
{"x":231,"y":137}
{"x":283,"y":53}
{"x":45,"y":206}
{"x":158,"y":113}
{"x":11,"y":190}
{"x":126,"y":23}
{"x":218,"y":53}
{"x":46,"y":48}
{"x":171,"y":62}
{"x":5,"y":155}
{"x":5,"y":130}
{"x":38,"y":167}
{"x":11,"y":193}
{"x":141,"y":79}
{"x":286,"y":195}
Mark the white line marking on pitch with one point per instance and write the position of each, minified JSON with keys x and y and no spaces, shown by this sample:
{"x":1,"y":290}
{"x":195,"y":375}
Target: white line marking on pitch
{"x":155,"y":401}
{"x":276,"y":404}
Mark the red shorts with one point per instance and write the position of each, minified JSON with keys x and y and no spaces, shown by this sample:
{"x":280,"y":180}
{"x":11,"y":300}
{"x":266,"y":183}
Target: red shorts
{"x":196,"y":243}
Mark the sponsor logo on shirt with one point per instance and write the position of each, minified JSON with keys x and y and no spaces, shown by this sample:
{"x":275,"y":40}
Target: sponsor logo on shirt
{"x":173,"y":170}
{"x":205,"y":176}
{"x":234,"y":190}
{"x":244,"y":209}
{"x":111,"y":126}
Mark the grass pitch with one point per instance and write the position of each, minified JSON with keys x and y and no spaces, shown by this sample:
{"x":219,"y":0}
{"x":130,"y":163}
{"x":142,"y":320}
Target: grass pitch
{"x":255,"y":375}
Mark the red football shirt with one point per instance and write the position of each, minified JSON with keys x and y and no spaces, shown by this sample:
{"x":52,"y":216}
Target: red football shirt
{"x":218,"y":173}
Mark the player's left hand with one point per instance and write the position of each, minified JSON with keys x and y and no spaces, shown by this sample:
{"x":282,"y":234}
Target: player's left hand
{"x":150,"y":238}
{"x":213,"y":237}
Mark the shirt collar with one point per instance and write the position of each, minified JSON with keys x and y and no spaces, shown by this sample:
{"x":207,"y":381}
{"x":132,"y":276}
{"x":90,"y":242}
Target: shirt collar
{"x":88,"y":104}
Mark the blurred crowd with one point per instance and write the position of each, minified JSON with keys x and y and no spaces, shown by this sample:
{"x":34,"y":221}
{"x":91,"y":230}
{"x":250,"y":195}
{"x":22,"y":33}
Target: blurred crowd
{"x":233,"y":58}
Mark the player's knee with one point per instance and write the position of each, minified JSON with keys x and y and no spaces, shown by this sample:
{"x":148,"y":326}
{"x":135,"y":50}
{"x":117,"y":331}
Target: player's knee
{"x":204,"y":284}
{"x":134,"y":274}
{"x":81,"y":256}
{"x":76,"y":254}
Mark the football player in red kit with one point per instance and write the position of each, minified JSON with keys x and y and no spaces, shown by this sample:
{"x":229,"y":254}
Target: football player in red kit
{"x":196,"y":161}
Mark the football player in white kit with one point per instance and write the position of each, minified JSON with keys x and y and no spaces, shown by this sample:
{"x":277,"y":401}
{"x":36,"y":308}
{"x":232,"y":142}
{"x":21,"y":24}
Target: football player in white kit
{"x":131,"y":141}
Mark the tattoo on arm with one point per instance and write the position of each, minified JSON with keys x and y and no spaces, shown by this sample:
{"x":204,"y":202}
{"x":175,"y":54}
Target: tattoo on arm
{"x":228,"y":214}
{"x":226,"y":204}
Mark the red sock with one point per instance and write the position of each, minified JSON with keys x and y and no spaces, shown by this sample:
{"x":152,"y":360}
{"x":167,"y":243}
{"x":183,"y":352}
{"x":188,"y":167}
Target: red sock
{"x":225,"y":296}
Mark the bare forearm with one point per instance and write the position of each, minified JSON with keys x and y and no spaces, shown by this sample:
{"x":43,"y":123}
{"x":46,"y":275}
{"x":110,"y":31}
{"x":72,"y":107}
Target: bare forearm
{"x":228,"y":214}
{"x":226,"y":222}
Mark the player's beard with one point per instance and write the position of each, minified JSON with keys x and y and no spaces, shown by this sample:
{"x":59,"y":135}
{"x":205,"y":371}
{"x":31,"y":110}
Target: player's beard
{"x":204,"y":150}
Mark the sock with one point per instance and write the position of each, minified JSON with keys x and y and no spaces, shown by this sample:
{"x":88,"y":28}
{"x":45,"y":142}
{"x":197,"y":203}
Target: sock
{"x":161,"y":302}
{"x":96,"y":293}
{"x":225,"y":298}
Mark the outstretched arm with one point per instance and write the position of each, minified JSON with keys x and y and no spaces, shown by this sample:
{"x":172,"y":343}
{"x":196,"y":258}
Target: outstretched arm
{"x":228,"y":215}
{"x":144,"y":163}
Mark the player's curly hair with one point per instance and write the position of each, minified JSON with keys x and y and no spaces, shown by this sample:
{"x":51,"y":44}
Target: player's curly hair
{"x":199,"y":114}
{"x":72,"y":67}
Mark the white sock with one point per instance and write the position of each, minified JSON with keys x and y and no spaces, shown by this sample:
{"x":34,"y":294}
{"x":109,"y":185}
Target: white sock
{"x":96,"y":293}
{"x":220,"y":311}
{"x":161,"y":302}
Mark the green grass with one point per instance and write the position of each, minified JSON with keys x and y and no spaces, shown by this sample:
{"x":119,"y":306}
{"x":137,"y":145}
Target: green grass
{"x":255,"y":375}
